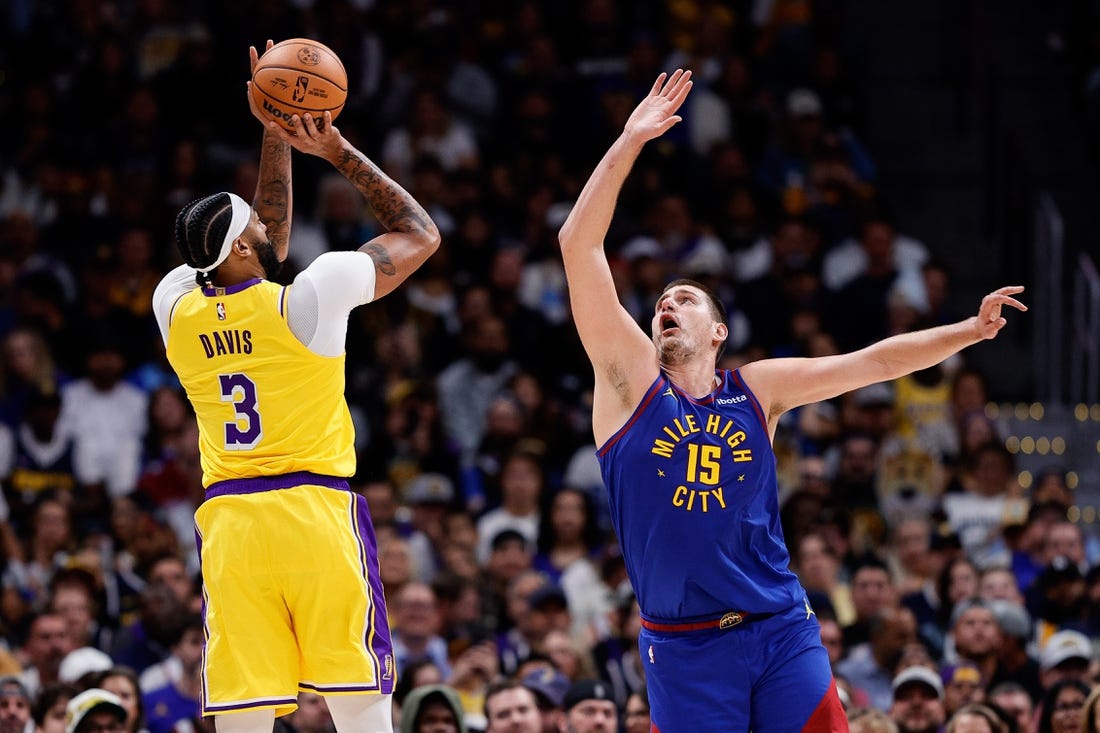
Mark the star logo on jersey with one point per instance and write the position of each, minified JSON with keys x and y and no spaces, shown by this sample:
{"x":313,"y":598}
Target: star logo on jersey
{"x":660,"y":473}
{"x":220,"y":307}
{"x":741,"y":477}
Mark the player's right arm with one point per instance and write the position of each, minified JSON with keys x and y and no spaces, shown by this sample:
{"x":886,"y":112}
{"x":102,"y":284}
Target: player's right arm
{"x":412,"y":236}
{"x":622,"y":355}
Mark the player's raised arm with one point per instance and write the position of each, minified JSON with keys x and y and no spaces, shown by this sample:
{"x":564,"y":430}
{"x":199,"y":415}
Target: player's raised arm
{"x":782,"y":384}
{"x":273,"y":200}
{"x":412,"y":236}
{"x":621,"y":353}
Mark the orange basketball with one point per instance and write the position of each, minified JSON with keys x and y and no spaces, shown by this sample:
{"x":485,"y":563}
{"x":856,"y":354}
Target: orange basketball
{"x":298,"y":76}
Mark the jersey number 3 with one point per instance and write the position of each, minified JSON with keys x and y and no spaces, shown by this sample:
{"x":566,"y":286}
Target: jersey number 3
{"x":245,"y":431}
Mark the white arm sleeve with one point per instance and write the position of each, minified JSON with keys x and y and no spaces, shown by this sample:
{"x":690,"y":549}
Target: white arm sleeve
{"x":323,"y":295}
{"x":168,"y":291}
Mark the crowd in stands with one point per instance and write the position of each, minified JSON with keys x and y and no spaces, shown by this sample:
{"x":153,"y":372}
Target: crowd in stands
{"x":949,"y":595}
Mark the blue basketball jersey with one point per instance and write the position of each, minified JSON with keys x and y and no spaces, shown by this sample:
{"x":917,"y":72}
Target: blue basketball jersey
{"x":695,"y":504}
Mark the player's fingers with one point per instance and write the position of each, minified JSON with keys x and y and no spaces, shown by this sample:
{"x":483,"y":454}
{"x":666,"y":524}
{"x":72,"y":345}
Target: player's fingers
{"x":681,"y":94}
{"x":657,"y":84}
{"x":310,"y":125}
{"x":671,"y":83}
{"x":1010,"y":290}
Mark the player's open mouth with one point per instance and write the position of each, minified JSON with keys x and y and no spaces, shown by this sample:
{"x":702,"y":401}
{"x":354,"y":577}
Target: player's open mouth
{"x":668,"y":324}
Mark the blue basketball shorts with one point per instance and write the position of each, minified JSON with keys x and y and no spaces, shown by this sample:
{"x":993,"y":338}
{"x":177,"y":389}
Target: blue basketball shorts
{"x":769,"y":676}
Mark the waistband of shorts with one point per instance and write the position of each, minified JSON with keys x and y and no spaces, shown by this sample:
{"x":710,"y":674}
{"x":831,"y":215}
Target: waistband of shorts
{"x":727,"y":620}
{"x":258,"y":484}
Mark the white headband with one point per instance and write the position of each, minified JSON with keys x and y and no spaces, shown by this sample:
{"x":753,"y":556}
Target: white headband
{"x":242,"y":213}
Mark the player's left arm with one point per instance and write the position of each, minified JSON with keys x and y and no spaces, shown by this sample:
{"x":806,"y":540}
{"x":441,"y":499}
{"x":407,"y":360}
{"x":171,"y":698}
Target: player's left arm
{"x":273,"y":200}
{"x":783,"y":384}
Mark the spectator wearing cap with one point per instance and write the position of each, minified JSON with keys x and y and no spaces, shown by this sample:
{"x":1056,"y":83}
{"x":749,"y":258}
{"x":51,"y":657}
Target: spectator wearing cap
{"x":415,"y":634}
{"x":549,"y":686}
{"x":1014,"y":662}
{"x":15,"y":705}
{"x":547,"y":610}
{"x":428,"y":497}
{"x":1065,"y":655}
{"x":432,"y":709}
{"x":590,"y":707}
{"x":962,"y":685}
{"x":869,"y":667}
{"x":510,"y":707}
{"x":918,"y":701}
{"x":95,"y":711}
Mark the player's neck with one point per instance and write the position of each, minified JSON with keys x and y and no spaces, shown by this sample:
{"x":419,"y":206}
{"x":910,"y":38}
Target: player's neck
{"x":695,"y":377}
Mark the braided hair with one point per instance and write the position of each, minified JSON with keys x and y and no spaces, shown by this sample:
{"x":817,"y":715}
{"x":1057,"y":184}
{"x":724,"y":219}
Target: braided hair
{"x":201,"y":227}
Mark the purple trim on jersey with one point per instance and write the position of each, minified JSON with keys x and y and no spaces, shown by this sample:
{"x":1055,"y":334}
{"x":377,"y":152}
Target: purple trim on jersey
{"x":250,"y":705}
{"x":637,"y":413}
{"x":204,"y":694}
{"x":380,"y":646}
{"x":322,"y":689}
{"x":257,"y":484}
{"x":752,"y":398}
{"x":231,"y":289}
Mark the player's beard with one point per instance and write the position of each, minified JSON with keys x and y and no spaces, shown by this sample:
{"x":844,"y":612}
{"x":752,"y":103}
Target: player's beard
{"x":265,"y":252}
{"x":674,"y":350}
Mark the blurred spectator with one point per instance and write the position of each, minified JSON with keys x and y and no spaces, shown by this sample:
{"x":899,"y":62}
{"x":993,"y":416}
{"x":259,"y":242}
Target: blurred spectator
{"x":870,"y":666}
{"x":871,"y":593}
{"x":962,"y":685}
{"x":522,"y":482}
{"x":432,"y":709}
{"x":1015,"y":701}
{"x":15,"y":706}
{"x":46,"y":645}
{"x":123,"y":683}
{"x":511,"y":708}
{"x":1063,"y":707}
{"x":178,"y":696}
{"x":416,"y":628}
{"x":48,"y":711}
{"x":918,"y":701}
{"x":975,"y":718}
{"x":1065,"y":656}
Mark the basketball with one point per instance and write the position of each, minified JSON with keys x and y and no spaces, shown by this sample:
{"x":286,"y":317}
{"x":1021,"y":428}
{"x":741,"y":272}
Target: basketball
{"x":297,"y":76}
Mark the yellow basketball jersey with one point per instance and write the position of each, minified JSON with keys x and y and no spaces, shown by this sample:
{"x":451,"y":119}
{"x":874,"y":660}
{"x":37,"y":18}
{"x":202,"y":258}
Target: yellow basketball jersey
{"x":266,"y":405}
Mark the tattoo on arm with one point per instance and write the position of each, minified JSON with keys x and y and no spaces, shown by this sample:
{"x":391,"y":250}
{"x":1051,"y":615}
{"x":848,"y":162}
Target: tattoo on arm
{"x":381,"y":258}
{"x":394,"y":207}
{"x":272,"y":202}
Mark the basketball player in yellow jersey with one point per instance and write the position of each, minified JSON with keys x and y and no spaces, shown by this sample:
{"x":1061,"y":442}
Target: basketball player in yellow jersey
{"x":290,"y":570}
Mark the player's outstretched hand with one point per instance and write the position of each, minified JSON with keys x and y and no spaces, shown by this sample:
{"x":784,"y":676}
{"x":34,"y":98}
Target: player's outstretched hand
{"x":656,"y":114}
{"x":990,"y":320}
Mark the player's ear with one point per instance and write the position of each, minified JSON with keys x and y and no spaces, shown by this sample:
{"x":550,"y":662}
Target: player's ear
{"x":721,"y":332}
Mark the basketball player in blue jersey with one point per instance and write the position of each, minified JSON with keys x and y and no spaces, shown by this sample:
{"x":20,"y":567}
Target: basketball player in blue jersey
{"x":729,"y":642}
{"x":291,"y":591}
